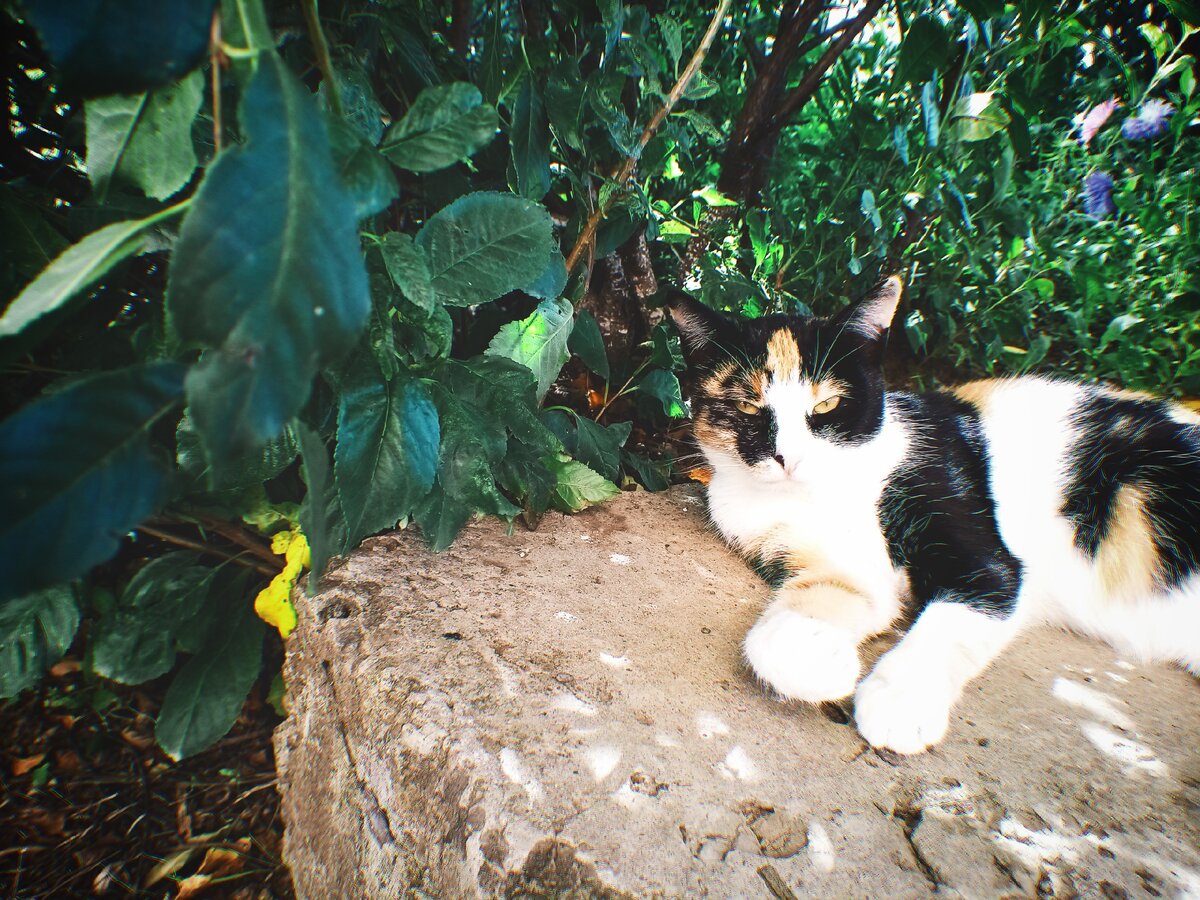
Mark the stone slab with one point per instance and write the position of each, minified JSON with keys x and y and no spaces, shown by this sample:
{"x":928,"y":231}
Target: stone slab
{"x":564,"y":713}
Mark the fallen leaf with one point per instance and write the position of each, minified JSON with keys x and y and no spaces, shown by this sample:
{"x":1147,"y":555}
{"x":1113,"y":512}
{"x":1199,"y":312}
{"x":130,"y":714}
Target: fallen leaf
{"x":218,"y":863}
{"x":141,"y":741}
{"x":23,"y":765}
{"x":193,"y":886}
{"x":44,"y":820}
{"x":67,"y":762}
{"x":169,"y":866}
{"x":65,"y":666}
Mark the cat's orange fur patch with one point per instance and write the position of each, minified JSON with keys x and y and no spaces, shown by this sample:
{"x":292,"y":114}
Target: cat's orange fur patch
{"x":1127,"y":560}
{"x":783,"y":355}
{"x":977,"y":393}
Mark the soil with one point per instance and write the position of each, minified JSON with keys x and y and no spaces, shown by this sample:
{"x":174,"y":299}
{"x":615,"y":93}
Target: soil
{"x":92,"y":807}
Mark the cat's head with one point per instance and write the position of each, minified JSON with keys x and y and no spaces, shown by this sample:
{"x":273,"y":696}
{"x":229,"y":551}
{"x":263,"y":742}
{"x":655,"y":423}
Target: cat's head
{"x":785,"y":395}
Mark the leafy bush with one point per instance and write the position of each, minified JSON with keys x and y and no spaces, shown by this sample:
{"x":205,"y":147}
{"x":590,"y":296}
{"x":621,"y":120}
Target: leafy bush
{"x":278,"y":282}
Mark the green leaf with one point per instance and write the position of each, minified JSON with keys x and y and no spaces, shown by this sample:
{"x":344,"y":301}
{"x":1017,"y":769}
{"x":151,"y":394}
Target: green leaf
{"x":930,"y":112}
{"x":77,"y":268}
{"x":135,"y":641}
{"x":977,"y":117}
{"x":531,"y":142}
{"x":204,"y":699}
{"x":484,"y":245}
{"x":104,"y":47}
{"x":538,"y":341}
{"x":255,"y":467}
{"x":587,"y":343}
{"x":599,"y":447}
{"x":35,"y":632}
{"x":144,"y":140}
{"x":407,"y":267}
{"x":578,"y":487}
{"x":870,"y":210}
{"x":553,"y":280}
{"x":564,"y":103}
{"x":664,"y":387}
{"x":446,"y":123}
{"x":524,"y":472}
{"x":267,"y":270}
{"x":78,"y":471}
{"x":664,"y":349}
{"x":440,"y":518}
{"x":321,"y":513}
{"x":365,"y":174}
{"x":672,"y":34}
{"x":649,"y":473}
{"x":926,"y":49}
{"x":387,"y":449}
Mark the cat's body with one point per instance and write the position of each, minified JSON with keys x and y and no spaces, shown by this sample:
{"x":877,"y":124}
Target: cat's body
{"x":975,"y":512}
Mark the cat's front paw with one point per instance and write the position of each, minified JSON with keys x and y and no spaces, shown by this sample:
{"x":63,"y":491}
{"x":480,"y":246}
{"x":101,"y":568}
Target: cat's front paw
{"x":801,"y":657}
{"x":904,"y":712}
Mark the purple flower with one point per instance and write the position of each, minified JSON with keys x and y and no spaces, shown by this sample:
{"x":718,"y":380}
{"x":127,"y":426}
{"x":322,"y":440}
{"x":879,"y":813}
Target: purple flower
{"x":1096,"y":118}
{"x":1097,"y":195}
{"x":1150,"y":121}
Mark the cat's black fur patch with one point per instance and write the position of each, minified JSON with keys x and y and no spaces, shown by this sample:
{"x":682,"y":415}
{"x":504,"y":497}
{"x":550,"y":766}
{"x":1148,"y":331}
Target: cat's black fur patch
{"x":936,"y":510}
{"x":1127,"y":441}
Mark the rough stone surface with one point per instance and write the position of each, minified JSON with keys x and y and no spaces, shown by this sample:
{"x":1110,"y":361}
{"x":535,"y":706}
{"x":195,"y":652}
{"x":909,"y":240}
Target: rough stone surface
{"x":563,"y":713}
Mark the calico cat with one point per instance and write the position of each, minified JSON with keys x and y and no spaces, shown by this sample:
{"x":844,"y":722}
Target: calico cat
{"x":972,"y":513}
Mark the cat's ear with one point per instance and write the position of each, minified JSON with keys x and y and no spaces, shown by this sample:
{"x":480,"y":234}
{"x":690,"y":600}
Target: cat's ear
{"x":705,"y":333}
{"x":872,"y":315}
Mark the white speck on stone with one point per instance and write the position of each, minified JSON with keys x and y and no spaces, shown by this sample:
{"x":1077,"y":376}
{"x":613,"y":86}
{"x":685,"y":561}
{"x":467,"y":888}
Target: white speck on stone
{"x":710,"y":726}
{"x":1119,"y":679}
{"x":628,"y":798}
{"x":510,"y":764}
{"x":619,"y":559}
{"x":585,"y":537}
{"x":617,"y":662}
{"x":602,"y":761}
{"x":820,"y":848}
{"x":566,"y":616}
{"x":1135,"y":757}
{"x":1096,"y":702}
{"x":572,"y":704}
{"x":703,"y":572}
{"x":1127,"y":666}
{"x":738,"y":765}
{"x":1035,"y":848}
{"x":665,"y":740}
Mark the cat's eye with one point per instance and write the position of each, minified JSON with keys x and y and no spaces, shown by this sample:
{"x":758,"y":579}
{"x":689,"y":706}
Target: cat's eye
{"x":745,"y":406}
{"x":829,"y":404}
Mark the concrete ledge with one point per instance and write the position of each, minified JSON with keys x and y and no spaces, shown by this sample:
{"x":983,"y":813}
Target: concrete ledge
{"x":563,"y":713}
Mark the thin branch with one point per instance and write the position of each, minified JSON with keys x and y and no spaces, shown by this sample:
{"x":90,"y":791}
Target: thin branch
{"x":217,"y":57}
{"x":235,"y":534}
{"x":625,"y":171}
{"x":800,"y":94}
{"x":180,"y":541}
{"x":321,"y":48}
{"x":823,"y":36}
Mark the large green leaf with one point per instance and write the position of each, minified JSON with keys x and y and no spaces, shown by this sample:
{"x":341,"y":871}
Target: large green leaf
{"x":445,"y":124}
{"x":267,"y":271}
{"x":484,"y":245}
{"x":365,"y":174}
{"x":408,"y":268}
{"x":663,"y":386}
{"x":538,"y":342}
{"x":579,"y":487}
{"x":977,"y":117}
{"x":926,"y":49}
{"x":387,"y":449}
{"x":35,"y":631}
{"x":78,"y":471}
{"x":145,"y":139}
{"x":206,"y":696}
{"x":530,"y":142}
{"x":599,"y":447}
{"x":79,"y":267}
{"x":104,"y":47}
{"x":135,"y":640}
{"x":440,"y":518}
{"x":587,"y":343}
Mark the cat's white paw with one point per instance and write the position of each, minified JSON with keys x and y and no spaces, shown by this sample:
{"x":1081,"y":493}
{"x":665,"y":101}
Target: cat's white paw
{"x":904,"y":712}
{"x":801,"y":657}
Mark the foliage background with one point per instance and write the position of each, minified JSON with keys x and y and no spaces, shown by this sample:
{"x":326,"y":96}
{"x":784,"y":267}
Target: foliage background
{"x":278,"y":277}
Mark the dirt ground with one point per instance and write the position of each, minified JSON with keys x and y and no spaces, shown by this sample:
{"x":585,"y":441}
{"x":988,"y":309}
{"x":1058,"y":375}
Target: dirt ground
{"x":91,"y":807}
